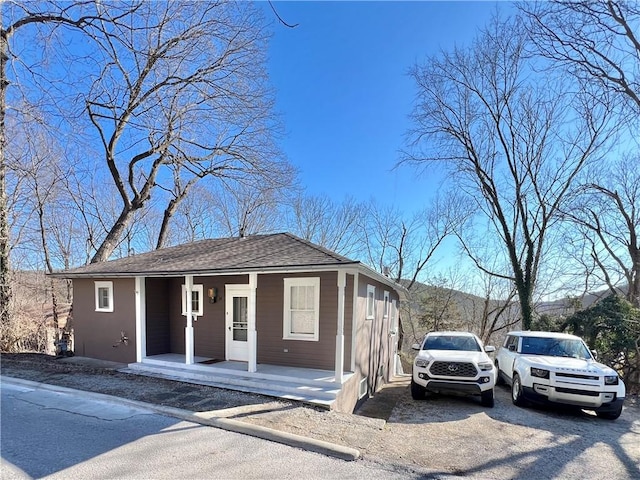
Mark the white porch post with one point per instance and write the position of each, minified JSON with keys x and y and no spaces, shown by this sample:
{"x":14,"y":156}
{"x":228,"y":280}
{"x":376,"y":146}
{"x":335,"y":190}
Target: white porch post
{"x":342,"y":282}
{"x":252,"y":333}
{"x":188,"y":330}
{"x":141,"y":319}
{"x":354,"y":321}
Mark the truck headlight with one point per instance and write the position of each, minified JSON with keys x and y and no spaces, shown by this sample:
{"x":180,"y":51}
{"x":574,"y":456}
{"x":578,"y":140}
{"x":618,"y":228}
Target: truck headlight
{"x":611,"y":380}
{"x":485,"y":366}
{"x":539,"y":372}
{"x":421,"y":362}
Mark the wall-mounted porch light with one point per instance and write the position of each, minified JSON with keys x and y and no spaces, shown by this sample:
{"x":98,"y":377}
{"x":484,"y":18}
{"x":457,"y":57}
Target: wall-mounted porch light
{"x":212,"y":293}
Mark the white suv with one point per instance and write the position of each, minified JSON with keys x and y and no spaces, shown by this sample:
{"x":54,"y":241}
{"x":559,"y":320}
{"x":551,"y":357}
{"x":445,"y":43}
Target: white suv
{"x":557,"y":367}
{"x":453,"y":362}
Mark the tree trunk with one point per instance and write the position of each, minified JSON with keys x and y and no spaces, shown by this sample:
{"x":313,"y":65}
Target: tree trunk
{"x":115,"y":234}
{"x":164,"y":228}
{"x":5,"y":273}
{"x":526,"y":309}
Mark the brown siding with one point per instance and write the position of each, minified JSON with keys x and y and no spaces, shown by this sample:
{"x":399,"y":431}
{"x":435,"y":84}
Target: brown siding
{"x":95,"y":333}
{"x":209,"y":329}
{"x":272,"y":348}
{"x":372,"y":336}
{"x":157,"y":320}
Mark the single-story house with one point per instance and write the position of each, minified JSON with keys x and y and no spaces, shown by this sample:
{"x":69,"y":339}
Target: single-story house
{"x":272,"y":314}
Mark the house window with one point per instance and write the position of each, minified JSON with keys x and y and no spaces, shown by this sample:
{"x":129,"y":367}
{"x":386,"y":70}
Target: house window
{"x":301,"y":308}
{"x":386,"y":305}
{"x":196,"y":300}
{"x":364,"y":387}
{"x":371,"y":302}
{"x":104,"y":296}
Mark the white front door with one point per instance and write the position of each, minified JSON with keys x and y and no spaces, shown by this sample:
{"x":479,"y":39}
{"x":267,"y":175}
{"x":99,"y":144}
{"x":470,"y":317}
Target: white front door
{"x":237,"y":308}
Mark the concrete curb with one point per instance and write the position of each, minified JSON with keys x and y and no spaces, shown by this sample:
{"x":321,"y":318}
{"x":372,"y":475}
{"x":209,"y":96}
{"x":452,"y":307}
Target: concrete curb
{"x":208,"y":419}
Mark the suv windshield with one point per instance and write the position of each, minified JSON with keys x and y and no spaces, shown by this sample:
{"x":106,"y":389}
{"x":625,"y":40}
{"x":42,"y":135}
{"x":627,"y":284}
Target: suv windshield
{"x":451,"y":342}
{"x":555,"y":347}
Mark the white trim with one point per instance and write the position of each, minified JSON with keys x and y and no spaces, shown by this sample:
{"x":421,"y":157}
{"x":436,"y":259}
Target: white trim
{"x":195,"y":288}
{"x":188,"y":329}
{"x":352,"y":268}
{"x":363,"y":391}
{"x":286,"y":324}
{"x":98,"y":285}
{"x":339,"y":362}
{"x":355,"y":320}
{"x":252,"y":333}
{"x":370,"y":312}
{"x":141,"y":319}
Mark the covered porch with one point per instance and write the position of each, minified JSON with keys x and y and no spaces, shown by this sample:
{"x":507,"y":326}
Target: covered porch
{"x":313,"y":386}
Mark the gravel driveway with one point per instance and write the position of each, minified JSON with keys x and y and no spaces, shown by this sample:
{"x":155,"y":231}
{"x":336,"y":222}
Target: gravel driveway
{"x":443,"y":437}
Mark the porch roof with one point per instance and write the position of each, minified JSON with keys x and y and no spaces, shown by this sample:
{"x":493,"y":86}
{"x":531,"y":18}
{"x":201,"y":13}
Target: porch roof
{"x":280,"y":251}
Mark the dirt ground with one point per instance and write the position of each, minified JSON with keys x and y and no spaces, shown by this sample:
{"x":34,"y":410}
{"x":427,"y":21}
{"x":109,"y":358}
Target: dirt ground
{"x":437,"y":438}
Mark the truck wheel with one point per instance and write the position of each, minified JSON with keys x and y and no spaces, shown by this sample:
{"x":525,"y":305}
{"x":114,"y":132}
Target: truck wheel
{"x":486,"y":398}
{"x":516,"y":391}
{"x":418,"y":392}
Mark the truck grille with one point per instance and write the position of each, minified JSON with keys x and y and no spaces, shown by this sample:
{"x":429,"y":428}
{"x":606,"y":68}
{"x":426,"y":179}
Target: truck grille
{"x":453,"y":369}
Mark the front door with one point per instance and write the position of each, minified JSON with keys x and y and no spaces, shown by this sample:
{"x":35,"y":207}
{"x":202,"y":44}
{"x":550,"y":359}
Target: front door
{"x":237,"y":308}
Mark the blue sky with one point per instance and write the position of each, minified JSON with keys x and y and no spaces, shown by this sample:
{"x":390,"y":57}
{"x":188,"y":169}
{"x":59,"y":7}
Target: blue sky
{"x":344,"y":94}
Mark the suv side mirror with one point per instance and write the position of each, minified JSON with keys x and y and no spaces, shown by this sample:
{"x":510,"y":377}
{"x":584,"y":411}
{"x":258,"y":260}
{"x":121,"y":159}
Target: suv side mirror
{"x":416,"y":346}
{"x":512,"y":348}
{"x":489,"y":348}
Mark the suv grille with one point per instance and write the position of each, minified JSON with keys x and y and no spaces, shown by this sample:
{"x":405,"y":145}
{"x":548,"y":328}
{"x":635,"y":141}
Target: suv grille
{"x":575,"y":375}
{"x":453,"y":369}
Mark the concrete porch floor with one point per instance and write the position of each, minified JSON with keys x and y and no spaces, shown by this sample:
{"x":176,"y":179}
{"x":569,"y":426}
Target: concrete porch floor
{"x":313,"y":386}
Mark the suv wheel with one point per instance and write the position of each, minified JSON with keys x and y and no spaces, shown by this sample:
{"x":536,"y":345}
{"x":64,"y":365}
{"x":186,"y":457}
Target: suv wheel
{"x":486,"y":398}
{"x":418,"y":392}
{"x":610,"y":415}
{"x":499,"y":379}
{"x":516,"y":391}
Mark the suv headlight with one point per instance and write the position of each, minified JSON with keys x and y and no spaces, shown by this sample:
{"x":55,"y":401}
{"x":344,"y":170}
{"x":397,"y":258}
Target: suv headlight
{"x":485,"y":366}
{"x":539,"y":372}
{"x":611,"y":380}
{"x":421,"y":362}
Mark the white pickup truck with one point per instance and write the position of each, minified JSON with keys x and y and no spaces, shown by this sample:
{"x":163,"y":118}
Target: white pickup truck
{"x":559,"y":368}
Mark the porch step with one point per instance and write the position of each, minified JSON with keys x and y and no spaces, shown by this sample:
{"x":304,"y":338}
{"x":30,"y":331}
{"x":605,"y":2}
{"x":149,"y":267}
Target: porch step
{"x":313,"y":392}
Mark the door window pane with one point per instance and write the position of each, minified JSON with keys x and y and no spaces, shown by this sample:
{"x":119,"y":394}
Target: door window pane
{"x":240,"y":319}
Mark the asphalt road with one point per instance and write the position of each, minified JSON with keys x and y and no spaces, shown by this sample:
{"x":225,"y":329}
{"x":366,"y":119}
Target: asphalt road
{"x":60,"y":435}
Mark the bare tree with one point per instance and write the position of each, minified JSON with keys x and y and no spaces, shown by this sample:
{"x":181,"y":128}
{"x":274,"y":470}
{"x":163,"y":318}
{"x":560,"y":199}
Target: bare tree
{"x":403,"y":247}
{"x":597,"y":41}
{"x":514,"y":142}
{"x":181,"y":87}
{"x":330,"y":224}
{"x":606,"y":215}
{"x":19,"y":17}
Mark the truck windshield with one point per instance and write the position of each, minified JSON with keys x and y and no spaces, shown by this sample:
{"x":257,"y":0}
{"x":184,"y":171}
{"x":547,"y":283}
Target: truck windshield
{"x":451,"y":342}
{"x":555,"y":347}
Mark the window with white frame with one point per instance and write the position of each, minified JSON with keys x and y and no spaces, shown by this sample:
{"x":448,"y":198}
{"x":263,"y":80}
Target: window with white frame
{"x":301,"y":309}
{"x":196,"y":300}
{"x":363,"y":388}
{"x":386,"y":305}
{"x":371,"y":302}
{"x":104,"y":296}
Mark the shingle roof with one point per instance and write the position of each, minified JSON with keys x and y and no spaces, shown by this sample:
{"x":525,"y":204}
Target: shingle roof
{"x":233,"y":255}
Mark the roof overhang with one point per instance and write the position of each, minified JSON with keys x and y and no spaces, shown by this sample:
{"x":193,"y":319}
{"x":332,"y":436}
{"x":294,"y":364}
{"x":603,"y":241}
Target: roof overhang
{"x":351,"y":268}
